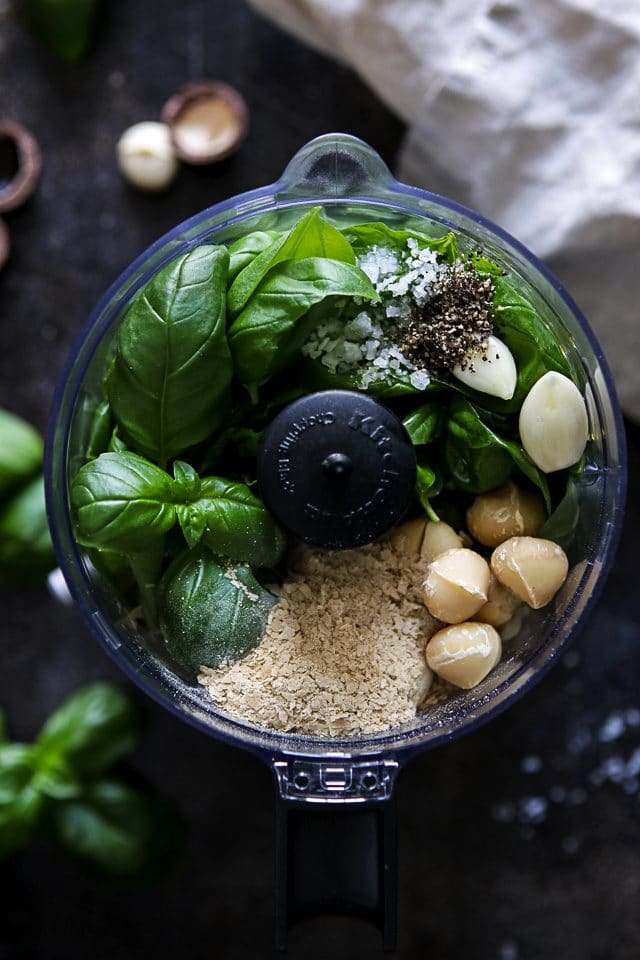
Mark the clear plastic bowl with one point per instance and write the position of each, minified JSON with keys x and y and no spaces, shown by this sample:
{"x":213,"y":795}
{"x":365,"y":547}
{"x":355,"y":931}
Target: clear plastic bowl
{"x":352,"y":183}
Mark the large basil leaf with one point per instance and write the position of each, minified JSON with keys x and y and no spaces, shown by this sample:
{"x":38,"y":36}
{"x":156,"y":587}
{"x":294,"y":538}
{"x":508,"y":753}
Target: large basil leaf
{"x":480,"y":459}
{"x":534,"y":348}
{"x":209,"y":614}
{"x":311,"y":236}
{"x":363,"y":236}
{"x":232,"y":522}
{"x":279,"y":316}
{"x":91,"y":730}
{"x":247,"y":248}
{"x":122,"y":502}
{"x":115,"y":827}
{"x":26,"y":551}
{"x":172,"y":366}
{"x":424,"y":424}
{"x":20,"y":452}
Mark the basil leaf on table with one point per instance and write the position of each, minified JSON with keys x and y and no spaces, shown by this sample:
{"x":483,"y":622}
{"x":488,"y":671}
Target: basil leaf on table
{"x":122,"y":502}
{"x":424,"y":424}
{"x":65,"y":26}
{"x":363,"y":236}
{"x":26,"y":551}
{"x":91,"y":730}
{"x":233,"y":523}
{"x":479,"y":459}
{"x":115,"y":827}
{"x":210,"y":614}
{"x":172,"y":367}
{"x":279,"y":317}
{"x":311,"y":236}
{"x":21,"y":450}
{"x":20,"y":803}
{"x":247,"y":248}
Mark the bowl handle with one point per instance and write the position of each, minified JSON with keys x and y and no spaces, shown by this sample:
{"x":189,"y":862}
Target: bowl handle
{"x":336,"y":842}
{"x":335,"y":165}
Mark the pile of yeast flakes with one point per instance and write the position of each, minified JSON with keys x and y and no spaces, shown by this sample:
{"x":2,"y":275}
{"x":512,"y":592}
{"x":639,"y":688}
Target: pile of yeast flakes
{"x":344,"y":649}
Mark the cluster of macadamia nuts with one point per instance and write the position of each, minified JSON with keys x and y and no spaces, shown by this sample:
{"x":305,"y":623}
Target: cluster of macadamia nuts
{"x":476,"y":598}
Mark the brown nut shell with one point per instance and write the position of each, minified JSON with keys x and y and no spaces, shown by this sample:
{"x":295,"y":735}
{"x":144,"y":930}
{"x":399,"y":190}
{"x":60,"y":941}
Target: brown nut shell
{"x":29,"y":165}
{"x":507,"y":512}
{"x":533,"y":568}
{"x":208,"y":121}
{"x":5,"y":243}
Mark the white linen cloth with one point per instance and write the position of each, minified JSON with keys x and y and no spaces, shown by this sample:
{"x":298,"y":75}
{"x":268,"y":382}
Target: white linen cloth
{"x":525,"y":110}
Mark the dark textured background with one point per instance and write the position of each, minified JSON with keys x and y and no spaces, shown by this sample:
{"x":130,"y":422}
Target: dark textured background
{"x":496,"y":863}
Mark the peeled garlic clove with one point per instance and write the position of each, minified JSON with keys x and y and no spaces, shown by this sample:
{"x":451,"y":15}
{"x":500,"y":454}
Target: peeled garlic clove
{"x":146,"y":156}
{"x":554,"y":426}
{"x":491,"y":370}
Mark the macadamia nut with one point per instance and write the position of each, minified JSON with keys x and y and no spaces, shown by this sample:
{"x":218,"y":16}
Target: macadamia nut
{"x":465,"y":653}
{"x":507,"y":512}
{"x":438,"y":537}
{"x":146,"y":156}
{"x":501,"y":604}
{"x":456,"y":585}
{"x":533,"y":568}
{"x":407,"y":538}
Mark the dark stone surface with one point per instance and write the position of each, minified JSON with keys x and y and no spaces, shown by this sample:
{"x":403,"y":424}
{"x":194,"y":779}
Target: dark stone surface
{"x":496,"y":863}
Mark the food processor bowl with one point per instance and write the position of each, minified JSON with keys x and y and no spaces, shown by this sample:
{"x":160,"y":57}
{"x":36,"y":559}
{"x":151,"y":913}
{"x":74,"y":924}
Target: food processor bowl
{"x":336,"y":793}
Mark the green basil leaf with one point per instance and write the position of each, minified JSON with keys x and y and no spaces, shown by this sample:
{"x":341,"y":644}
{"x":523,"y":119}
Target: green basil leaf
{"x":115,"y":827}
{"x":210,"y":614}
{"x":428,"y":485}
{"x":233,"y":523}
{"x":55,"y":778}
{"x":561,"y":525}
{"x":101,"y":431}
{"x":533,"y":345}
{"x":90,"y":731}
{"x":247,"y":248}
{"x":424,"y":424}
{"x":26,"y":551}
{"x":278,"y":318}
{"x":65,"y":26}
{"x":122,"y":502}
{"x":20,"y":803}
{"x":172,"y":367}
{"x":187,"y":480}
{"x":20,"y":452}
{"x":479,"y":459}
{"x":116,"y":443}
{"x":363,"y":236}
{"x":311,"y":236}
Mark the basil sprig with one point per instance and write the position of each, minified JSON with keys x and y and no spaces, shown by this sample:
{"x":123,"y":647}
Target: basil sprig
{"x":125,"y":504}
{"x":64,"y":786}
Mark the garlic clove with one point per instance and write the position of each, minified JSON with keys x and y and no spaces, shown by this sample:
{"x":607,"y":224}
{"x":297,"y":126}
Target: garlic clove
{"x":146,"y":156}
{"x":553,"y":424}
{"x":491,"y":370}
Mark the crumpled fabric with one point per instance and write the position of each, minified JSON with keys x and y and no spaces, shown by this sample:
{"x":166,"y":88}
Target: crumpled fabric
{"x":528,"y":111}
